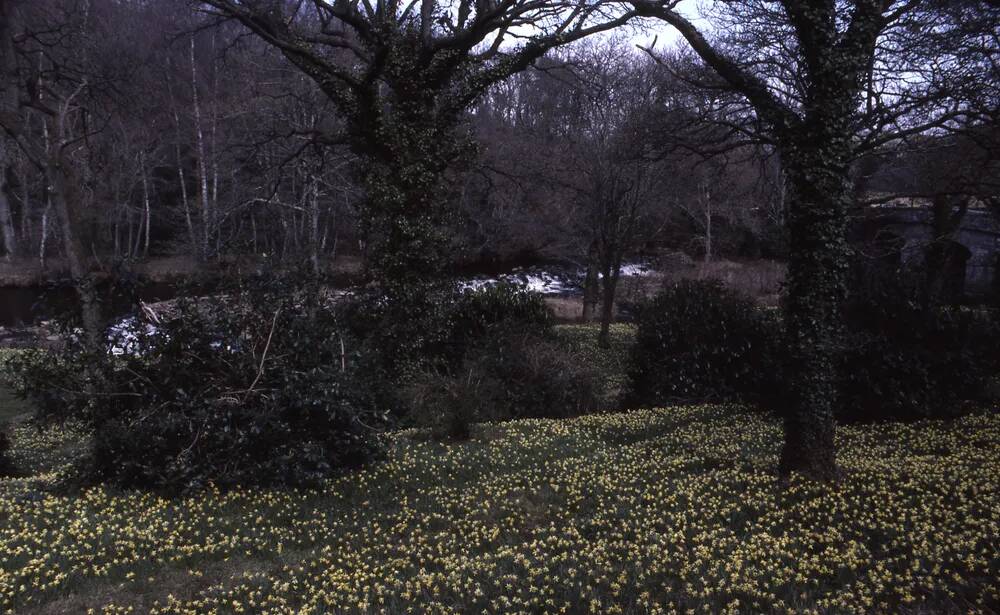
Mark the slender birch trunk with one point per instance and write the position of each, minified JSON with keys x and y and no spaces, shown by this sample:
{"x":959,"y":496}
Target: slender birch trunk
{"x":6,"y":214}
{"x":202,"y":169}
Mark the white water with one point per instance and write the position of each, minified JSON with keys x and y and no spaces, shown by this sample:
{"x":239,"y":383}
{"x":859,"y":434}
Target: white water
{"x":548,"y":282}
{"x":121,"y":337}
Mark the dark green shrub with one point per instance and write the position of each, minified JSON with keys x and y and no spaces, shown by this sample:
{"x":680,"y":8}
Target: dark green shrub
{"x":498,"y":310}
{"x":534,"y":377}
{"x":898,"y":361}
{"x":510,"y":377}
{"x":499,"y":360}
{"x":254,"y":386}
{"x":903,"y":362}
{"x":446,"y":406}
{"x":400,"y":336}
{"x":698,"y":341}
{"x":6,"y":464}
{"x":433,"y":330}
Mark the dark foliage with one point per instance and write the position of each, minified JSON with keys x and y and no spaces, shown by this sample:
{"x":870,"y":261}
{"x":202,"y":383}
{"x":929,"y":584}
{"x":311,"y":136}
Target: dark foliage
{"x":396,"y":339}
{"x":533,"y":377}
{"x":698,"y":341}
{"x":6,"y":464}
{"x":499,"y":360}
{"x":506,"y":377}
{"x":500,"y":308}
{"x":254,"y":386}
{"x":434,"y":329}
{"x":444,"y":404}
{"x":898,"y":359}
{"x":904,"y":361}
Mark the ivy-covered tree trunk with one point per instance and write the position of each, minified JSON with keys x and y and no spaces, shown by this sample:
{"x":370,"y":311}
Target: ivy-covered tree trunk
{"x":405,"y":150}
{"x":816,"y":167}
{"x":402,"y":216}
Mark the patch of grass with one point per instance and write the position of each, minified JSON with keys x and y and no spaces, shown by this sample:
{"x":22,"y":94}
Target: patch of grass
{"x":611,"y":362}
{"x":645,"y":511}
{"x":11,"y":406}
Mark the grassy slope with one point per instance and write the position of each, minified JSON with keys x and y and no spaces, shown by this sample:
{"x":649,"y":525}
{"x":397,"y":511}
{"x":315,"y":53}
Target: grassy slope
{"x":676,"y":507}
{"x":611,"y":361}
{"x":652,"y":509}
{"x":10,"y":406}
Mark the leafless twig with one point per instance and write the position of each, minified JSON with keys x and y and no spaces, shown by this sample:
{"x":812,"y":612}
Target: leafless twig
{"x":263,"y":356}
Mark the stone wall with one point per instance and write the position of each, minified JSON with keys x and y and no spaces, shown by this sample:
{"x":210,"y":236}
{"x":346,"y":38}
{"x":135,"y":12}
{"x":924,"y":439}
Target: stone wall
{"x":979,"y":234}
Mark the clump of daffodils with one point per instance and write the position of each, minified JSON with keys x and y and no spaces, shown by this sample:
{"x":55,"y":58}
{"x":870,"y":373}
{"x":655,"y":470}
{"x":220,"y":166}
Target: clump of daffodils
{"x":660,"y":511}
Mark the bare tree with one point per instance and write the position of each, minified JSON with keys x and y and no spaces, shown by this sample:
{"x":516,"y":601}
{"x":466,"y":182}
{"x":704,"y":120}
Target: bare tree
{"x":403,"y":75}
{"x":7,"y":229}
{"x":826,"y":80}
{"x":620,"y":180}
{"x":45,"y":77}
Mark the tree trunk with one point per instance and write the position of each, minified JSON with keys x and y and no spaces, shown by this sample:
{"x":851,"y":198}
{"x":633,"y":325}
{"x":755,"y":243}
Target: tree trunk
{"x":405,"y":149}
{"x":707,"y":201}
{"x":202,"y":167}
{"x":66,"y":197}
{"x":44,"y":233}
{"x":609,"y":286}
{"x":590,"y":285}
{"x":404,"y":223}
{"x":145,"y":207}
{"x":9,"y":25}
{"x":947,"y":219}
{"x":404,"y":154}
{"x":26,"y":226}
{"x":6,"y":216}
{"x":817,"y":225}
{"x":314,"y":235}
{"x":180,"y":171}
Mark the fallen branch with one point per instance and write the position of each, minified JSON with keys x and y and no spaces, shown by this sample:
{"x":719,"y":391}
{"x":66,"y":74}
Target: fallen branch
{"x":263,"y":356}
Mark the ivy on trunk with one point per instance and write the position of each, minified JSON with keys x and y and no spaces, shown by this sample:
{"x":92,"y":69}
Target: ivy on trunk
{"x":834,"y":49}
{"x":403,"y":75}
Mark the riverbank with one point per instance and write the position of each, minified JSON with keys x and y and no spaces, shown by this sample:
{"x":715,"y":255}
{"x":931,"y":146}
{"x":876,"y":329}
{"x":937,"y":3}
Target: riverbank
{"x":26,"y":310}
{"x":29,"y":273}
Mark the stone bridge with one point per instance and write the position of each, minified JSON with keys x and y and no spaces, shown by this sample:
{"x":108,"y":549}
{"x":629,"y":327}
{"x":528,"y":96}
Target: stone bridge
{"x":977,"y":239}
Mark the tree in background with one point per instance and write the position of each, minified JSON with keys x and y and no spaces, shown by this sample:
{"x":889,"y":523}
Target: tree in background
{"x":60,"y":65}
{"x":619,"y":181}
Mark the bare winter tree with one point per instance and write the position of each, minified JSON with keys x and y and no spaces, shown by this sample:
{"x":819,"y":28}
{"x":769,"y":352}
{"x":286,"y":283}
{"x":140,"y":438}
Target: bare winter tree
{"x":827,"y":80}
{"x":55,"y":78}
{"x":7,"y":230}
{"x":403,"y":74}
{"x":619,"y":180}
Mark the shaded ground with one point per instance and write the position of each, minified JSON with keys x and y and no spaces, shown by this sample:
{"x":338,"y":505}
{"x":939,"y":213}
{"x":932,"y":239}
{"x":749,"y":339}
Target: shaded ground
{"x":10,"y":406}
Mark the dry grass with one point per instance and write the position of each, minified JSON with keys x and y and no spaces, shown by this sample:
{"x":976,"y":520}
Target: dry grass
{"x":565,"y":309}
{"x":761,"y":280}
